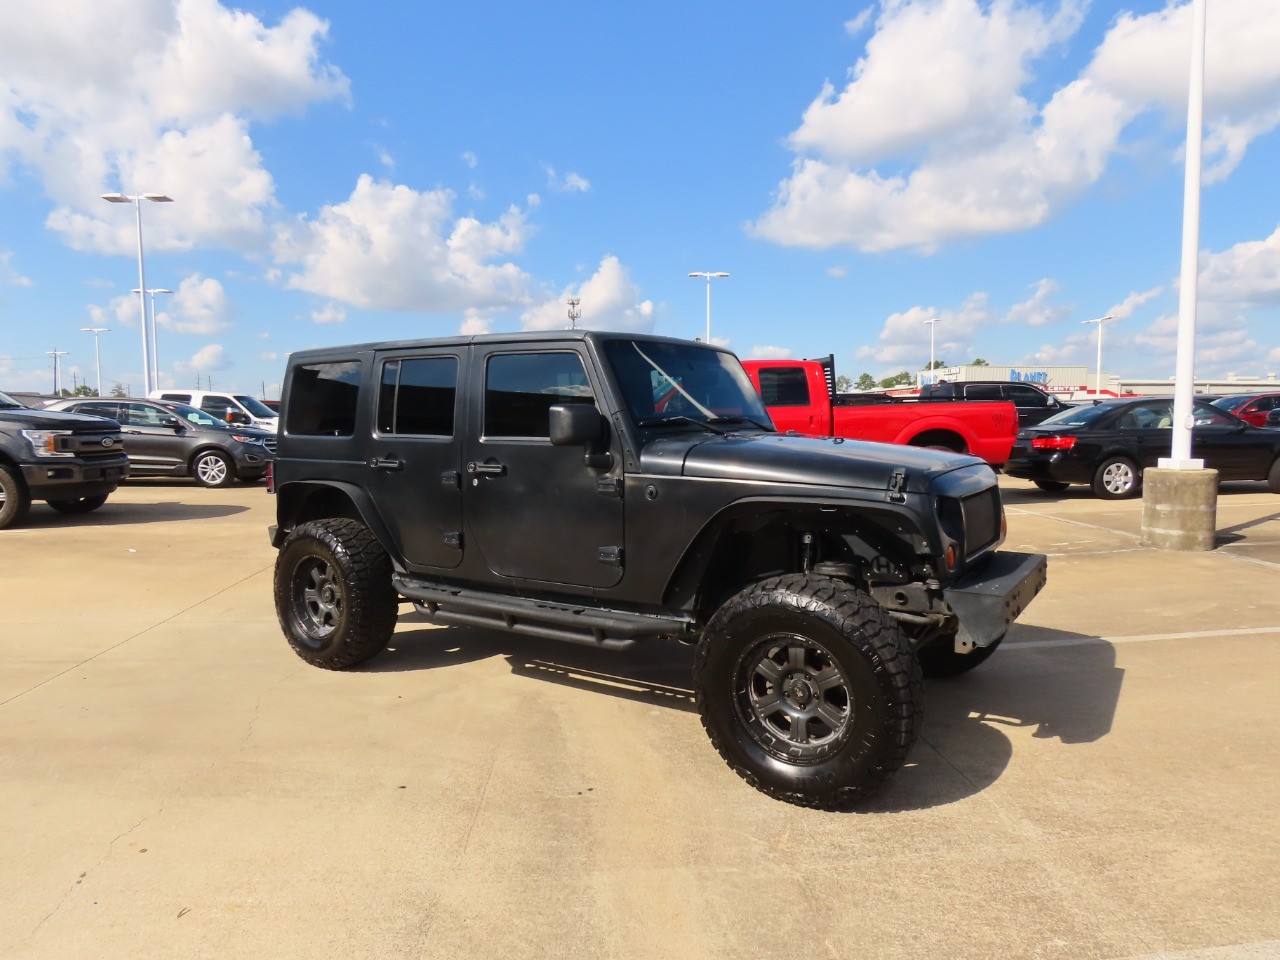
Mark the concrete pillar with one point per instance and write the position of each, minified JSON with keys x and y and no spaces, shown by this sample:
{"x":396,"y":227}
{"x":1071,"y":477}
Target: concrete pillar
{"x":1179,"y":508}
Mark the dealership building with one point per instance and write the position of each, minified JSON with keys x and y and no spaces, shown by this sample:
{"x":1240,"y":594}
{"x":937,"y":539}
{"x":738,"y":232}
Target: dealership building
{"x":1068,"y":381}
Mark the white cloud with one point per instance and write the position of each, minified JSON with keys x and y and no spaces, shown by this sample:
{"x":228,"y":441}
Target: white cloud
{"x":8,"y":274}
{"x":390,"y":247}
{"x":470,"y":159}
{"x":1038,"y":311}
{"x":1129,"y":304}
{"x":610,"y":301}
{"x":769,"y":352}
{"x":904,"y":338}
{"x":329,"y":313}
{"x":207,"y":359}
{"x":1245,"y":274}
{"x":934,"y":137}
{"x":569,"y":183}
{"x":166,"y":111}
{"x":200,"y":306}
{"x":838,"y":272}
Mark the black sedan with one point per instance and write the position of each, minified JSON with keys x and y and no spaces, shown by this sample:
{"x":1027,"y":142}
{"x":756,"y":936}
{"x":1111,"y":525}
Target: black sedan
{"x":1107,"y":446}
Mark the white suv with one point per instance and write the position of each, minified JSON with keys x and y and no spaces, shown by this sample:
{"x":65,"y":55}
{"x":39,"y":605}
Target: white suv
{"x":228,"y":407}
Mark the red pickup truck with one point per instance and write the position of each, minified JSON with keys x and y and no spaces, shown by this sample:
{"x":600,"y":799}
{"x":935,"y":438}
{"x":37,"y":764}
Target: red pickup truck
{"x":801,"y":396}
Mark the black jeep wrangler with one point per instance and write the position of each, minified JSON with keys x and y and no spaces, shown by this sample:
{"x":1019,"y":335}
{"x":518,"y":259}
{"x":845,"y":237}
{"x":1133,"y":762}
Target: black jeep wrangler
{"x":610,"y":488}
{"x":74,"y":462}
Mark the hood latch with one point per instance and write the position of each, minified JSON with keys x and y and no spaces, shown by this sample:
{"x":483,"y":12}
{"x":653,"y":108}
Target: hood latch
{"x":898,"y":485}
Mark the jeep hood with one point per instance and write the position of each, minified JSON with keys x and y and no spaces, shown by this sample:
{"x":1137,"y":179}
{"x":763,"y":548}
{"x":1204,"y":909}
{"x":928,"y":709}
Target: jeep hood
{"x":811,"y":461}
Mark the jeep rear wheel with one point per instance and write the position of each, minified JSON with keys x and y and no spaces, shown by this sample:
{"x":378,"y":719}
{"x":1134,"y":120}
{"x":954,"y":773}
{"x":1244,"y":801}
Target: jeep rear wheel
{"x":333,"y":593}
{"x":14,"y":498}
{"x":808,"y":690}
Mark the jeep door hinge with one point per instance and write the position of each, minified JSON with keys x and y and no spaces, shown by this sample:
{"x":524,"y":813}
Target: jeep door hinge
{"x":609,"y":487}
{"x":610,"y":555}
{"x":897,"y":484}
{"x":453,"y":539}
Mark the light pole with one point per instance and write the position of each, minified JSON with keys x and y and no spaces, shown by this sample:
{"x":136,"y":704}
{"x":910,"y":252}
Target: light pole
{"x":136,"y":200}
{"x":933,"y":324}
{"x":155,"y":354}
{"x":709,"y":277}
{"x":97,"y":357}
{"x":1097,"y":381}
{"x":57,"y":369}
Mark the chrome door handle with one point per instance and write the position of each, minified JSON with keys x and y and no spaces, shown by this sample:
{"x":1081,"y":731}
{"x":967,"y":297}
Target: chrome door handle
{"x":385,"y":463}
{"x":492,"y":469}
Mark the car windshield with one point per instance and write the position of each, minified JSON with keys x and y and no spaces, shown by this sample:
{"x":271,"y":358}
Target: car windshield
{"x":1232,"y":403}
{"x":8,"y":403}
{"x":256,"y":407}
{"x":1080,"y":416}
{"x":194,"y":415}
{"x":675,"y":383}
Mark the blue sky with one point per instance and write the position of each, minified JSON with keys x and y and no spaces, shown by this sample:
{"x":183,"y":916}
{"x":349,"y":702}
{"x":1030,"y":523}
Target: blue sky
{"x":346,"y":173}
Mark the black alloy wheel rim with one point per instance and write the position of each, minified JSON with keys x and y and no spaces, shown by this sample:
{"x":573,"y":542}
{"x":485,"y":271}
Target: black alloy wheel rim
{"x":319,"y":599}
{"x":793,"y":697}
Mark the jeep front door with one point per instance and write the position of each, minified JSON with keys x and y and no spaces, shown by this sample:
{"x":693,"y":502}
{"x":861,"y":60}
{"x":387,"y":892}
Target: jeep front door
{"x":533,"y":510}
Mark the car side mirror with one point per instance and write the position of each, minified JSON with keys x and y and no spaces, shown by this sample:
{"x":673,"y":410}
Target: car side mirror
{"x":575,"y":423}
{"x":170,"y":422}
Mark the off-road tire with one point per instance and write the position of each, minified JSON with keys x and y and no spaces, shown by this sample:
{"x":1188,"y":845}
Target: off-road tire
{"x":1117,"y":478}
{"x":333,"y":593}
{"x":15,"y":500}
{"x":79,"y":504}
{"x":1051,"y":486}
{"x":213,"y":469}
{"x":940,"y":659}
{"x":848,"y":650}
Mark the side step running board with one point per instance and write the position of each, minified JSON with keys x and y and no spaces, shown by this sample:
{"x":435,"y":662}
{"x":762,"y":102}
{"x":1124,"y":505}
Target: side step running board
{"x":610,"y":629}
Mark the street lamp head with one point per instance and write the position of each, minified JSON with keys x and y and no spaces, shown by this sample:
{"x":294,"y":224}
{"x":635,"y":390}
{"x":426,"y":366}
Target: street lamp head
{"x":1097,"y":320}
{"x":719,"y":274}
{"x":95,"y":329}
{"x":117,"y":198}
{"x":157,"y":198}
{"x":161,"y":290}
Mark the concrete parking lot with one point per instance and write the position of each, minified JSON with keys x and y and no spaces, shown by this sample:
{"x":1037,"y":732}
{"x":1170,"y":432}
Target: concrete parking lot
{"x":176,"y":783}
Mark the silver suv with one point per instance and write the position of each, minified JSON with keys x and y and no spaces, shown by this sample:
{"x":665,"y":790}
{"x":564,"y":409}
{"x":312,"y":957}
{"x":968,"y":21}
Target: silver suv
{"x":166,"y":439}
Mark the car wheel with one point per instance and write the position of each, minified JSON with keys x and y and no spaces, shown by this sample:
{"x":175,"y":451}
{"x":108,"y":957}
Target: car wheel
{"x":808,"y":690}
{"x":333,"y":593}
{"x":14,"y":498}
{"x":1051,"y":486}
{"x":940,"y":659}
{"x":1273,"y":478}
{"x":79,"y":504}
{"x":1116,"y":478}
{"x":212,"y":469}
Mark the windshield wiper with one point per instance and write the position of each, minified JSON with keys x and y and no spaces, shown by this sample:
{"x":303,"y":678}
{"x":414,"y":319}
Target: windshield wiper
{"x":678,"y":418}
{"x":743,"y":419}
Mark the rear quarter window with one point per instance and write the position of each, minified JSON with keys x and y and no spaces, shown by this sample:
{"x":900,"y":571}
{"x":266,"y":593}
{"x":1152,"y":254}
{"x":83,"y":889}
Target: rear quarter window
{"x":323,"y":399}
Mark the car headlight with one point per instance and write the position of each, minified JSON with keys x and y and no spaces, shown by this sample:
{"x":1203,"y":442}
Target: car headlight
{"x":45,"y":443}
{"x":244,"y":438}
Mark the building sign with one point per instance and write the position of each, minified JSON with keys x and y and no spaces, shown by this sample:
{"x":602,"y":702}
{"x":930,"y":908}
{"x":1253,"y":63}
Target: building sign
{"x":1040,"y":377}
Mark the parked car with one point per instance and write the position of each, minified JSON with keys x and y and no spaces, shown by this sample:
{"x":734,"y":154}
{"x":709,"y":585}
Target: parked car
{"x":1250,"y":407}
{"x":167,"y":439}
{"x":1107,"y":446}
{"x":72,"y":463}
{"x":1034,"y":404}
{"x":233,"y":408}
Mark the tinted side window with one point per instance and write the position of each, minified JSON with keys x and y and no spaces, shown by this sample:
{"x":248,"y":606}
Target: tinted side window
{"x":111,"y":410}
{"x":784,"y":387}
{"x":215,"y":405}
{"x":1026,"y":396}
{"x":181,"y":397}
{"x":521,"y":387}
{"x":143,"y":415}
{"x":983,"y":391}
{"x":322,"y":399}
{"x":418,"y":396}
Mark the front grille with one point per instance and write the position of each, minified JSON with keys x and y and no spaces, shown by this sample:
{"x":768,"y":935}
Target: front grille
{"x":270,"y":444}
{"x":981,"y":513}
{"x":88,"y":446}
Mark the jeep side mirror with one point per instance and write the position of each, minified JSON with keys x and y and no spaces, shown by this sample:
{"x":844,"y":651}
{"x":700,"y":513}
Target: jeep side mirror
{"x":574,"y":423}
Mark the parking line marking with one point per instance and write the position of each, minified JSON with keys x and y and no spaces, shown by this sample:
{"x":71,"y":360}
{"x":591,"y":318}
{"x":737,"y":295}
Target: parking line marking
{"x":1141,"y":638}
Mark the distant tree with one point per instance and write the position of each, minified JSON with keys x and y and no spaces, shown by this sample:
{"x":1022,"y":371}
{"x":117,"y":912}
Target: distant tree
{"x":84,"y":390}
{"x":978,"y":362}
{"x":902,"y":379}
{"x":118,"y":390}
{"x":935,"y":365}
{"x":843,"y":384}
{"x":866,"y":382}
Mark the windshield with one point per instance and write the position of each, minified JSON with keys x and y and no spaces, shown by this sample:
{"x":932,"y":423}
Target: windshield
{"x":256,"y":407}
{"x":679,"y":383}
{"x":7,"y":401}
{"x":1078,"y":416}
{"x":1232,"y":403}
{"x":194,"y":415}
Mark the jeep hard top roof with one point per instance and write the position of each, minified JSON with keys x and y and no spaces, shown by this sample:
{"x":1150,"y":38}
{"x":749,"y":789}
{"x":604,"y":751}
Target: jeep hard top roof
{"x":515,"y":337}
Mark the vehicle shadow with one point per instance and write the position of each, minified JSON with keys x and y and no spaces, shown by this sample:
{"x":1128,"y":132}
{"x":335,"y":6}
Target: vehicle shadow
{"x":111,"y":514}
{"x":1062,"y":686}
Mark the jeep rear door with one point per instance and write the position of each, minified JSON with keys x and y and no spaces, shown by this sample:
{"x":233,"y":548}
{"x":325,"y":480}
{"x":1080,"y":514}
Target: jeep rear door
{"x":536,"y":511}
{"x":415,"y":455}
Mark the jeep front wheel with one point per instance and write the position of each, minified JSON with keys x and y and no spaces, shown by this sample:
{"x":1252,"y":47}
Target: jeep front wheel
{"x":333,"y":593}
{"x":808,"y":690}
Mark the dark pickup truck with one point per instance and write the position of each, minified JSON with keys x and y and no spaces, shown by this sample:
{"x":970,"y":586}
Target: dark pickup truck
{"x":1034,"y":405}
{"x":611,"y":489}
{"x":72,"y":462}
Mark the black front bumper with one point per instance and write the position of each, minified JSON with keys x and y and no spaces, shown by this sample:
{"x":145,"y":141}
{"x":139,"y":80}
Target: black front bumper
{"x":58,"y":479}
{"x":988,"y":602}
